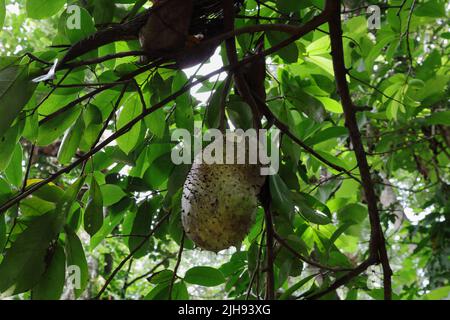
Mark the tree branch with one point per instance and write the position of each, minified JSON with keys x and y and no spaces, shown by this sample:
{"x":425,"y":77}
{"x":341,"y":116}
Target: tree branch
{"x":377,"y":247}
{"x":177,"y":265}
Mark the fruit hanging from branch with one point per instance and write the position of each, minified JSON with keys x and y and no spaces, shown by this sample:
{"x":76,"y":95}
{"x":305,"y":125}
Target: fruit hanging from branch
{"x":219,"y":202}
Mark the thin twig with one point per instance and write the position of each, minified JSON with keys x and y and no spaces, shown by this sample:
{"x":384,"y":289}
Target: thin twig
{"x":177,"y":265}
{"x":129,"y":256}
{"x":270,"y":282}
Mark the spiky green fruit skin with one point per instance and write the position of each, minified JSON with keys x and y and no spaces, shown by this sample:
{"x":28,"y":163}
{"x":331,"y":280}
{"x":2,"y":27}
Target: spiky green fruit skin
{"x":219,"y":204}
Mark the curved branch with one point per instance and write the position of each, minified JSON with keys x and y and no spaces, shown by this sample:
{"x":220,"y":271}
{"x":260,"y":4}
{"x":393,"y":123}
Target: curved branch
{"x":377,"y":247}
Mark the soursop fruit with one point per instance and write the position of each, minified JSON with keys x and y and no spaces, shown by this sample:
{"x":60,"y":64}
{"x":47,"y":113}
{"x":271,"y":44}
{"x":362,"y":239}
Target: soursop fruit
{"x":219,"y":203}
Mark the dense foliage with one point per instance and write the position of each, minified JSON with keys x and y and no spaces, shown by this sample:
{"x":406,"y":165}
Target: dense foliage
{"x":112,"y":208}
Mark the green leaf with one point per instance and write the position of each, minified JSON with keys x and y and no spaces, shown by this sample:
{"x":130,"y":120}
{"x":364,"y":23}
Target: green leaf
{"x":142,"y":225}
{"x":184,"y":114}
{"x":280,"y":194}
{"x":162,"y":277}
{"x":442,"y":117}
{"x":331,"y":104}
{"x":435,"y":9}
{"x":70,"y":142}
{"x":213,"y":109}
{"x":7,"y":146}
{"x":55,"y":127}
{"x":239,"y":113}
{"x":86,"y":23}
{"x":14,"y":171}
{"x":110,"y":223}
{"x":179,"y":291}
{"x":49,"y":192}
{"x":16,"y":90}
{"x":288,"y":293}
{"x":156,"y":123}
{"x":313,"y":215}
{"x":354,"y":214}
{"x":131,"y":110}
{"x":24,"y":262}
{"x":290,"y":53}
{"x":40,"y":9}
{"x":437,"y":294}
{"x":289,"y":5}
{"x":204,"y":276}
{"x":2,"y":231}
{"x":159,"y":171}
{"x":333,"y":159}
{"x":51,"y":284}
{"x":326,"y":134}
{"x":2,"y":13}
{"x":93,"y":214}
{"x":176,"y":180}
{"x":78,"y":275}
{"x":111,"y":194}
{"x":64,"y":204}
{"x":34,"y":206}
{"x":336,"y":234}
{"x":161,"y":292}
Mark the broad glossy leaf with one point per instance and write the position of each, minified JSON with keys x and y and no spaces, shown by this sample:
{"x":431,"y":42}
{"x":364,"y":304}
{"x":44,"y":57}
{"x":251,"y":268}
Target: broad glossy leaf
{"x":70,"y":142}
{"x":161,"y":292}
{"x":24,"y":262}
{"x":162,"y":277}
{"x":49,"y":192}
{"x":111,"y":194}
{"x":110,"y":223}
{"x":14,"y":172}
{"x":16,"y":90}
{"x":281,"y":199}
{"x":55,"y":128}
{"x":86,"y":28}
{"x":93,"y":214}
{"x":142,"y":225}
{"x":290,"y":53}
{"x":442,"y":117}
{"x":64,"y":205}
{"x":40,"y":9}
{"x":51,"y":284}
{"x":326,"y":134}
{"x":76,"y":263}
{"x":156,"y":123}
{"x":331,"y":104}
{"x":130,"y":111}
{"x":296,"y":287}
{"x":184,"y":114}
{"x":354,"y":214}
{"x":159,"y":171}
{"x":2,"y":13}
{"x":7,"y":145}
{"x":204,"y":276}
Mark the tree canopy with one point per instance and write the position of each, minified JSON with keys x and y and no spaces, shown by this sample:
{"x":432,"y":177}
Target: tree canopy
{"x":90,"y":201}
